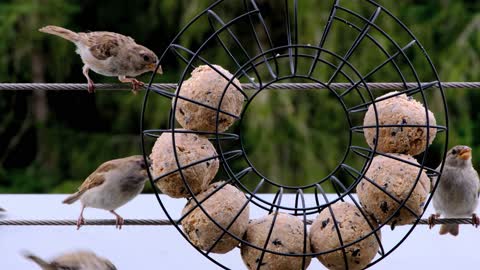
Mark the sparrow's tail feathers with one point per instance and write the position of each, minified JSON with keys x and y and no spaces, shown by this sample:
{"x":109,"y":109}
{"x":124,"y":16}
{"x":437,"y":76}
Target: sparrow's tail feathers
{"x":43,"y":264}
{"x":2,"y":210}
{"x":449,"y":228}
{"x":61,"y":32}
{"x":72,"y":198}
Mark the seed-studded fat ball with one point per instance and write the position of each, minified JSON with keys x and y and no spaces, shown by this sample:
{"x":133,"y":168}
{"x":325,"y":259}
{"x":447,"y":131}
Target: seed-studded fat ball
{"x":223,"y":207}
{"x":287,"y":237}
{"x":190,"y":148}
{"x":352,"y":226}
{"x":206,"y":86}
{"x":397,"y":178}
{"x":399,"y":110}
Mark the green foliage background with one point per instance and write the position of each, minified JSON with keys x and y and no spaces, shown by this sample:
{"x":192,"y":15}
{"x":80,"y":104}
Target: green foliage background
{"x":49,"y":142}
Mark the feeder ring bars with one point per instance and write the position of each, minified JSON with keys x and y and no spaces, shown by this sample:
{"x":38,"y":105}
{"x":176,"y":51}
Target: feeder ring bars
{"x":383,"y":151}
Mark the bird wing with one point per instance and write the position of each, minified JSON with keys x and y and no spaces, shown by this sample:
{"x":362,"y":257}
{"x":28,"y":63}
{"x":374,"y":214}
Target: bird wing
{"x":104,"y":44}
{"x":81,"y":260}
{"x":104,"y":47}
{"x":478,"y":191}
{"x":67,"y":261}
{"x":97,"y":177}
{"x":434,"y":178}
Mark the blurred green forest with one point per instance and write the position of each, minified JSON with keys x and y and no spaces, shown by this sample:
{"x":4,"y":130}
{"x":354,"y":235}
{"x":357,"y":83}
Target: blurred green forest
{"x":51,"y":141}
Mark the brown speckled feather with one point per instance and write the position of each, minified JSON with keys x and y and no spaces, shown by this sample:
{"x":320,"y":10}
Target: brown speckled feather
{"x":105,"y":49}
{"x":78,"y":260}
{"x":97,"y":177}
{"x":103,"y":45}
{"x":93,"y":180}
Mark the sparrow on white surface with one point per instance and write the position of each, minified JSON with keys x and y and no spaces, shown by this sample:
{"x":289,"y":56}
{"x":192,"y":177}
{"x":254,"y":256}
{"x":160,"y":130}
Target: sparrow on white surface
{"x":78,"y":260}
{"x":109,"y":54}
{"x":110,"y":186}
{"x":457,"y":194}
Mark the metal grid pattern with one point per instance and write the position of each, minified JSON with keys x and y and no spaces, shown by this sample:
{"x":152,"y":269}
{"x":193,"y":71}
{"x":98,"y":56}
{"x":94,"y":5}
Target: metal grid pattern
{"x":267,"y":64}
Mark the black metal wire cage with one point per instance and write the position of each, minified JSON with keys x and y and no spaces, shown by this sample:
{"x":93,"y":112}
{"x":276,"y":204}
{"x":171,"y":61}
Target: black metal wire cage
{"x":266,"y":59}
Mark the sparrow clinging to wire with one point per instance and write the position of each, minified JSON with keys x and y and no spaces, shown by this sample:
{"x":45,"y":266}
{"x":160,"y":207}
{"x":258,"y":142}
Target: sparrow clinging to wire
{"x":457,"y":194}
{"x":111,"y":185}
{"x":109,"y":54}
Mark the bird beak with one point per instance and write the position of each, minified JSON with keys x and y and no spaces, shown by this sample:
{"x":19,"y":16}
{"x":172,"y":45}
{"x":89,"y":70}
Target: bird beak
{"x":159,"y":70}
{"x":153,"y":67}
{"x":149,"y":162}
{"x":465,"y":153}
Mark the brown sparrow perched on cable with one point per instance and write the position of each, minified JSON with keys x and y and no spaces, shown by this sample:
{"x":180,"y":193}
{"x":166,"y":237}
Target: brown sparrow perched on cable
{"x":78,"y":260}
{"x":109,"y":54}
{"x":457,"y":194}
{"x":112,"y":185}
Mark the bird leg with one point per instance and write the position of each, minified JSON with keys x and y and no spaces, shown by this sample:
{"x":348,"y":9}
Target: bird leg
{"x":432,"y":219}
{"x":91,"y":86}
{"x":136,"y":84}
{"x":80,"y":220}
{"x":475,"y":220}
{"x":120,"y":220}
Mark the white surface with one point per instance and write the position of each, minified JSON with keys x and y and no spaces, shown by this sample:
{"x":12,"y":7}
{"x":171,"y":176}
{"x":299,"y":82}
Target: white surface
{"x":162,"y":247}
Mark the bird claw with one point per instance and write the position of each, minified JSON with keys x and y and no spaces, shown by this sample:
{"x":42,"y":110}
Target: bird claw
{"x":119,"y":223}
{"x":475,"y":220}
{"x":136,"y":85}
{"x":91,"y":87}
{"x":431,"y":220}
{"x":80,"y":222}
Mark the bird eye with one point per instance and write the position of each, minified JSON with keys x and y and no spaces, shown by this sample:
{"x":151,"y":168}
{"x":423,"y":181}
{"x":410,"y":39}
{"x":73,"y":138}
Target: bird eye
{"x":143,"y":166}
{"x":146,"y":58}
{"x":454,"y":152}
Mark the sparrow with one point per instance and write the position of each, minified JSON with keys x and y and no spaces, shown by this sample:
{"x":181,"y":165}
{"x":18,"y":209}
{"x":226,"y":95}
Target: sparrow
{"x":78,"y":260}
{"x":111,"y":185}
{"x":109,"y":54}
{"x":2,"y":210}
{"x":457,"y":193}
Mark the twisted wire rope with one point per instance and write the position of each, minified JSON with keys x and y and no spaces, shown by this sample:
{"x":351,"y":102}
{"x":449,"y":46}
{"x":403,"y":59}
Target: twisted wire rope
{"x":163,"y":222}
{"x":246,"y":86}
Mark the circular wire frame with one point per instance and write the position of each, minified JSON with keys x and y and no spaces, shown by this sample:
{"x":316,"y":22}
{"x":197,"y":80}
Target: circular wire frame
{"x":267,"y":60}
